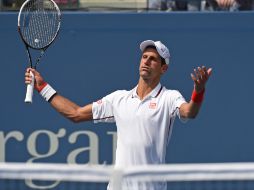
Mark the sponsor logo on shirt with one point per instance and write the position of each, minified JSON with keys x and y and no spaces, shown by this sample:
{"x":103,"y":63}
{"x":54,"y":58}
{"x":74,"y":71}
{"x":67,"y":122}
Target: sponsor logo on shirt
{"x":99,"y":101}
{"x":152,"y":105}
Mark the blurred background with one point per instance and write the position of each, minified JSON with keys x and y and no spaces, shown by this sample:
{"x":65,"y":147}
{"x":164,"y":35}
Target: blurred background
{"x":142,"y":5}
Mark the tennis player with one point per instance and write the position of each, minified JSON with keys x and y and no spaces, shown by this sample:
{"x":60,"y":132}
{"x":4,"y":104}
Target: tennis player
{"x":144,"y":115}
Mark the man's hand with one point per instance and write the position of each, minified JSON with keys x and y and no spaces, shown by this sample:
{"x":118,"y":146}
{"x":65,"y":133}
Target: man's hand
{"x":200,"y":77}
{"x":39,"y":81}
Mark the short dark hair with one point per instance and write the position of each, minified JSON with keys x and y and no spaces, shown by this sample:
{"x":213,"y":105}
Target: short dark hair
{"x":163,"y":62}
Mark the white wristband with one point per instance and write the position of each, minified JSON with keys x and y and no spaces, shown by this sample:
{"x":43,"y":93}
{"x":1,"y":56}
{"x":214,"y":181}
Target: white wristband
{"x":47,"y":92}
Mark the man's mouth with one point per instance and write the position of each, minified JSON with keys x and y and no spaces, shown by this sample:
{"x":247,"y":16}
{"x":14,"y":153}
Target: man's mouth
{"x":145,"y":68}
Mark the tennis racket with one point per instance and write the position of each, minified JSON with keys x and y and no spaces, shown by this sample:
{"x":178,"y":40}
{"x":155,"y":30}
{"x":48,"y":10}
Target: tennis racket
{"x":38,"y":25}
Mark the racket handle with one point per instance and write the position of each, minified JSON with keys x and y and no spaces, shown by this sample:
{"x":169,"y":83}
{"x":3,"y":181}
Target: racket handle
{"x":30,"y":90}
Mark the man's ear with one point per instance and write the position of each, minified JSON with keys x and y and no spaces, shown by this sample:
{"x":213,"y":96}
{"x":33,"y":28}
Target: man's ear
{"x":164,"y":68}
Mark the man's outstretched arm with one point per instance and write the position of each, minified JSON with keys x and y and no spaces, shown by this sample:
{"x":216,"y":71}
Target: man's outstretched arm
{"x":200,"y":77}
{"x":61,"y":104}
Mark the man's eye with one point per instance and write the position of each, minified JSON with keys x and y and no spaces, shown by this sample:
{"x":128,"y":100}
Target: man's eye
{"x":153,"y":59}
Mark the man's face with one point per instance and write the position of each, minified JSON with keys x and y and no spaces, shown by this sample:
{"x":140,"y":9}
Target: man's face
{"x":151,"y":65}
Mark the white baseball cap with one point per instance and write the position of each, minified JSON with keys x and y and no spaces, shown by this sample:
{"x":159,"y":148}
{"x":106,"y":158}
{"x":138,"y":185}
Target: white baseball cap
{"x":160,"y":47}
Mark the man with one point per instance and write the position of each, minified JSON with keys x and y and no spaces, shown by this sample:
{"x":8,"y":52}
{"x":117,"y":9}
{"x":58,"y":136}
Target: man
{"x":144,"y":115}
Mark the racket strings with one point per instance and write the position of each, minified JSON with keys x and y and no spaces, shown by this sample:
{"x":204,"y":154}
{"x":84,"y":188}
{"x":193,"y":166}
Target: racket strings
{"x":40,"y":23}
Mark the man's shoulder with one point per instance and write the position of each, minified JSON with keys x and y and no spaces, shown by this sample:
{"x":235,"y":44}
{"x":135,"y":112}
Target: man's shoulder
{"x":120,"y":93}
{"x":171,"y":92}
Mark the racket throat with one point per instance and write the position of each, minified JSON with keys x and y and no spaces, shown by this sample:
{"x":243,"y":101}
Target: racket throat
{"x":39,"y":58}
{"x":29,"y":56}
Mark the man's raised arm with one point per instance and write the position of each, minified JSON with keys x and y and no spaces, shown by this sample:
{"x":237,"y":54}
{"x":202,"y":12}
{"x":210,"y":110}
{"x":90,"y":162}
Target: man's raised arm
{"x":200,"y":77}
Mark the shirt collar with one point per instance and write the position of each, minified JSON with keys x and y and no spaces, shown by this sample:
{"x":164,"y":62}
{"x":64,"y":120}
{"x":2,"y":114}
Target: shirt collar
{"x":154,"y":93}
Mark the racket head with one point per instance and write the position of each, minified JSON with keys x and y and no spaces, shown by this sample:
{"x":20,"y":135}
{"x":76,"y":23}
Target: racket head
{"x":39,"y":23}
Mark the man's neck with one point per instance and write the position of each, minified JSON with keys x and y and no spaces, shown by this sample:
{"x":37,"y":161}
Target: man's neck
{"x":145,"y":87}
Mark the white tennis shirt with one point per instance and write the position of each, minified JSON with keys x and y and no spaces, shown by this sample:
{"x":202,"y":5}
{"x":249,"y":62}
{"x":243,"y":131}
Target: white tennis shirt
{"x":143,"y":126}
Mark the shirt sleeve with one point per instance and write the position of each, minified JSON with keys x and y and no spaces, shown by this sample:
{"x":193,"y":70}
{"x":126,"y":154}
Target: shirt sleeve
{"x":103,"y":109}
{"x":178,"y":101}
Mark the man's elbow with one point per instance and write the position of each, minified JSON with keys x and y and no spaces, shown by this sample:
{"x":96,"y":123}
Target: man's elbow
{"x":78,"y":117}
{"x":192,"y":116}
{"x":75,"y":120}
{"x":73,"y":116}
{"x":189,"y":110}
{"x":189,"y":115}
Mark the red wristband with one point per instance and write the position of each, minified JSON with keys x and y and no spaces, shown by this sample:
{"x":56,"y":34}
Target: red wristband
{"x":197,"y":97}
{"x":39,"y":89}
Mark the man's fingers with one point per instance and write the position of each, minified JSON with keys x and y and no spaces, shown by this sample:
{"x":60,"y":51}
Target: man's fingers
{"x":31,"y":70}
{"x":28,"y":82}
{"x":28,"y":77}
{"x":201,"y":71}
{"x":204,"y":70}
{"x":204,"y":73}
{"x":197,"y":73}
{"x":209,"y":71}
{"x":194,"y":78}
{"x":200,"y":77}
{"x":201,"y":74}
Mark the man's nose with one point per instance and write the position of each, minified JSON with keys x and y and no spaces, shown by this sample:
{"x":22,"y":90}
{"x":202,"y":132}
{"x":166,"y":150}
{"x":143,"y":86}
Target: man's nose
{"x":147,"y":61}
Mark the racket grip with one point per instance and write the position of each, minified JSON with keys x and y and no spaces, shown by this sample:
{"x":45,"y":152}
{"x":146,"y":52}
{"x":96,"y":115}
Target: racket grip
{"x":30,"y":90}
